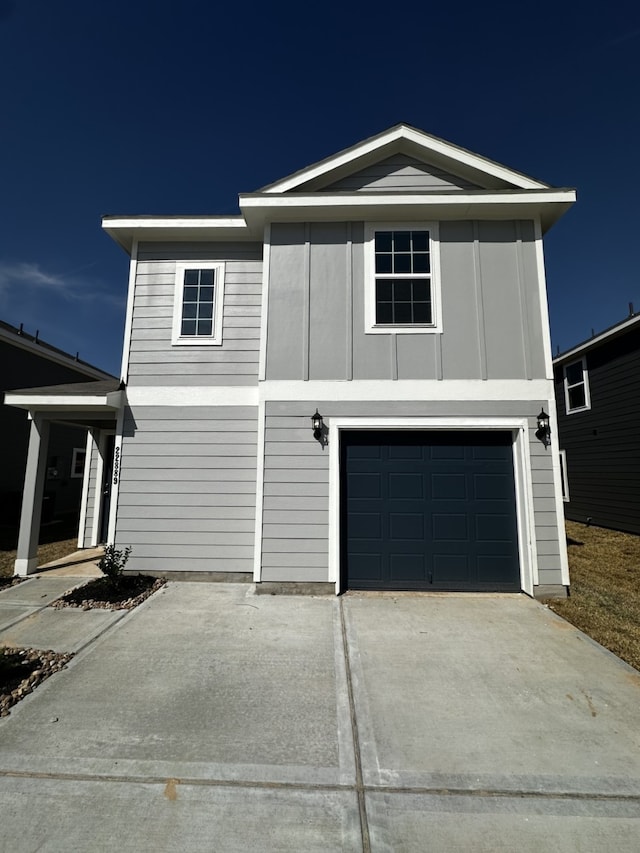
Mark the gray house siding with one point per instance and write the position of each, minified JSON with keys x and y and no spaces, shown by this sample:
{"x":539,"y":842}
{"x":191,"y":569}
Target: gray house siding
{"x":187,"y":492}
{"x":153,"y":361}
{"x":92,"y":505}
{"x":399,"y":173}
{"x":295,"y":521}
{"x":492,"y":323}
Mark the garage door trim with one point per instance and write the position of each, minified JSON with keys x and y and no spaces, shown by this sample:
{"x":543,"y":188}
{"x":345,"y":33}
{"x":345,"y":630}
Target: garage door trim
{"x":522,"y":475}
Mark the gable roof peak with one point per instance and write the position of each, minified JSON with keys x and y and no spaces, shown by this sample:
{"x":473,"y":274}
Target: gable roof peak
{"x":418,"y":143}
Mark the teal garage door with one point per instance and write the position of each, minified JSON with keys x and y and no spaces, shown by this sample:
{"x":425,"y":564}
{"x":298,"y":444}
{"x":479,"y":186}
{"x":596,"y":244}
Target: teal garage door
{"x":428,"y":511}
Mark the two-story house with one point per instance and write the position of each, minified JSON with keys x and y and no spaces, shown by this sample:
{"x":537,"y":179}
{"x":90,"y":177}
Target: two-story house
{"x":339,"y":388}
{"x":597,"y":392}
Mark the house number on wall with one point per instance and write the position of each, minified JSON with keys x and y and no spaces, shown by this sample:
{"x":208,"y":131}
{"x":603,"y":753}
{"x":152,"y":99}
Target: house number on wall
{"x":116,"y":465}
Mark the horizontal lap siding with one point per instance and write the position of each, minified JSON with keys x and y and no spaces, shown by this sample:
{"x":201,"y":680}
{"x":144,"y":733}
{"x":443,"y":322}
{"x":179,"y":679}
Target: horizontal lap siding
{"x":295,"y":521}
{"x":188,"y":488}
{"x":601,"y":444}
{"x":399,"y":173}
{"x":153,"y":360}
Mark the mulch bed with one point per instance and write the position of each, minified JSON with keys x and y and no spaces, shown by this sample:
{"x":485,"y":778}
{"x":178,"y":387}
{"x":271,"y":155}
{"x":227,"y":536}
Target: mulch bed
{"x":129,"y":591}
{"x":21,"y":670}
{"x":14,"y":580}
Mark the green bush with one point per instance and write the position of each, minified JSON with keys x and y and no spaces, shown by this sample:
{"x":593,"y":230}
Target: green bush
{"x":112,"y":563}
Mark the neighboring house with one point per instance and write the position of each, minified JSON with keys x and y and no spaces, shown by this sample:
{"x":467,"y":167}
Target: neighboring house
{"x":25,"y":361}
{"x":598,"y":400}
{"x":396,"y":290}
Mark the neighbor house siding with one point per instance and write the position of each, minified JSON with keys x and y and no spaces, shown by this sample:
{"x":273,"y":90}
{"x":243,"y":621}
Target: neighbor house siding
{"x":295,"y":520}
{"x":153,"y":360}
{"x":397,"y":174}
{"x":602,"y":443}
{"x":491,"y":317}
{"x":187,"y":490}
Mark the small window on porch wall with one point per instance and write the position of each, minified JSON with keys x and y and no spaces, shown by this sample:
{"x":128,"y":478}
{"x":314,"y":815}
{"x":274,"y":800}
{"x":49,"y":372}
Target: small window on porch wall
{"x":576,"y":386}
{"x":198,"y":304}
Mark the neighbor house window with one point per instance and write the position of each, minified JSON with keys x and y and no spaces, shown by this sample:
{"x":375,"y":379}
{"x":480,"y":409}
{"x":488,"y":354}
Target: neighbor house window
{"x":199,"y":294}
{"x":77,"y":462}
{"x":576,"y":386}
{"x":402,"y":279}
{"x":563,"y":475}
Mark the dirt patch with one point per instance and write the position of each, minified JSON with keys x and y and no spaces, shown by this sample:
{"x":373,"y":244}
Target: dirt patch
{"x":605,"y":588}
{"x":130,"y":591}
{"x":47,"y":552}
{"x":21,"y":670}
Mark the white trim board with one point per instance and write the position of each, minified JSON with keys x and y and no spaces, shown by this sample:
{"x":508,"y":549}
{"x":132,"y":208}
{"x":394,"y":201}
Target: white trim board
{"x":522,"y":475}
{"x":128,"y":325}
{"x":427,"y":143}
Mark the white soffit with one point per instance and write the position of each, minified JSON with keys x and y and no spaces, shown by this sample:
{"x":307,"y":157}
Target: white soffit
{"x":124,"y":229}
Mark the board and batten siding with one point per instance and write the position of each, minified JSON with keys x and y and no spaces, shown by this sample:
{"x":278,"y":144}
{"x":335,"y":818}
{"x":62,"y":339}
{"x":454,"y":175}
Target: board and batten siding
{"x":187,"y":492}
{"x":399,"y":173}
{"x":491,"y":316}
{"x":295,"y":523}
{"x":153,"y":361}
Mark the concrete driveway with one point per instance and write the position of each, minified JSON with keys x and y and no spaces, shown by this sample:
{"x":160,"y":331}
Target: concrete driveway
{"x":212,"y":719}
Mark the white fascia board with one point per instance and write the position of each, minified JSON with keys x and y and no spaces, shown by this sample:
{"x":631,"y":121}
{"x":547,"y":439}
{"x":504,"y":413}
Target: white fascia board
{"x":548,"y":205}
{"x":44,"y":402}
{"x":69,"y":361}
{"x":598,"y":339}
{"x":125,"y":229}
{"x":430,"y":145}
{"x":178,"y":395}
{"x":407,"y":390}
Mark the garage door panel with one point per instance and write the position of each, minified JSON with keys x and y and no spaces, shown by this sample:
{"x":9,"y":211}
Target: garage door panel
{"x":493,"y":528}
{"x":365,"y":525}
{"x":406,"y":525}
{"x":451,"y":487}
{"x":426,"y":510}
{"x":407,"y":568}
{"x":450,"y":568}
{"x":402,"y":485}
{"x":367,"y":486}
{"x":449,"y":526}
{"x":493,"y":487}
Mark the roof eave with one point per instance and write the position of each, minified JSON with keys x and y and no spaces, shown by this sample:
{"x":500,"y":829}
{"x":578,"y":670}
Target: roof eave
{"x":597,"y":340}
{"x":124,"y":230}
{"x":547,"y":205}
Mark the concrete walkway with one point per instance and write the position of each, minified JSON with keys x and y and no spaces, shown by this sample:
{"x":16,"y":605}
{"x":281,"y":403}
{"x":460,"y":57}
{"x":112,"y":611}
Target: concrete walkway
{"x":212,"y":719}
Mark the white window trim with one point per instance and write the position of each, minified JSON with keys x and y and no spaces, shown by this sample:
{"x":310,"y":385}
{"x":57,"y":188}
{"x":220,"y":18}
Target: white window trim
{"x":198,"y":340}
{"x":585,"y":379}
{"x":370,"y":326}
{"x":74,"y":458}
{"x":563,"y":476}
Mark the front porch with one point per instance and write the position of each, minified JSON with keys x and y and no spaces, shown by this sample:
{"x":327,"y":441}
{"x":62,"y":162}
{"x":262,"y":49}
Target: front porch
{"x":95,"y":407}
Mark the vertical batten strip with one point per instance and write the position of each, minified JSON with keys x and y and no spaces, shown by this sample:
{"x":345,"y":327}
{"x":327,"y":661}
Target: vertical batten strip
{"x":306,"y":319}
{"x":264,"y":313}
{"x":477,"y":274}
{"x":349,"y":300}
{"x":524,"y":312}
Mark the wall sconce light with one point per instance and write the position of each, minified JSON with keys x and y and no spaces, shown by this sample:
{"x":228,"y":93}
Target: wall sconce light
{"x":316,"y":425}
{"x":543,"y":433}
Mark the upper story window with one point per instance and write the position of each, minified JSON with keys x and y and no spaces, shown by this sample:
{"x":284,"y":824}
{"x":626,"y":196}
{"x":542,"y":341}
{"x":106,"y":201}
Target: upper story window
{"x":198,"y":301}
{"x":576,"y":386}
{"x":401,"y":291}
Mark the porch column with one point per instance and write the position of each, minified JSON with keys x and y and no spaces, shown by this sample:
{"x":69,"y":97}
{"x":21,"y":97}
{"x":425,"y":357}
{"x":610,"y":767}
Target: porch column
{"x":34,"y":478}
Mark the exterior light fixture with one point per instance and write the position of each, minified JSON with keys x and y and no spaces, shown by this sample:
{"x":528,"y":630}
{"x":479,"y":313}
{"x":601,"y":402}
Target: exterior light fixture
{"x":543,"y":433}
{"x":316,"y":425}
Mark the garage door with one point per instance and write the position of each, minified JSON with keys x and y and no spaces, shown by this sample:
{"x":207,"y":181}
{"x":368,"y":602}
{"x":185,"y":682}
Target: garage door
{"x":428,"y":510}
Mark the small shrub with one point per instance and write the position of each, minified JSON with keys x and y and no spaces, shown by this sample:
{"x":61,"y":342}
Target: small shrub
{"x":112,"y":563}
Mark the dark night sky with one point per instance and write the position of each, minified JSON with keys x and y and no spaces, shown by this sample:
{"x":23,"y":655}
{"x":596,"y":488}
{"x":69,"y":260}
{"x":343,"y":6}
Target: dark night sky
{"x":165,"y":108}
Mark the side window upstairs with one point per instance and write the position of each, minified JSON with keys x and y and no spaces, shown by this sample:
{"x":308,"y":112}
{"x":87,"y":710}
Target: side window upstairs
{"x":198,"y":303}
{"x":576,"y":386}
